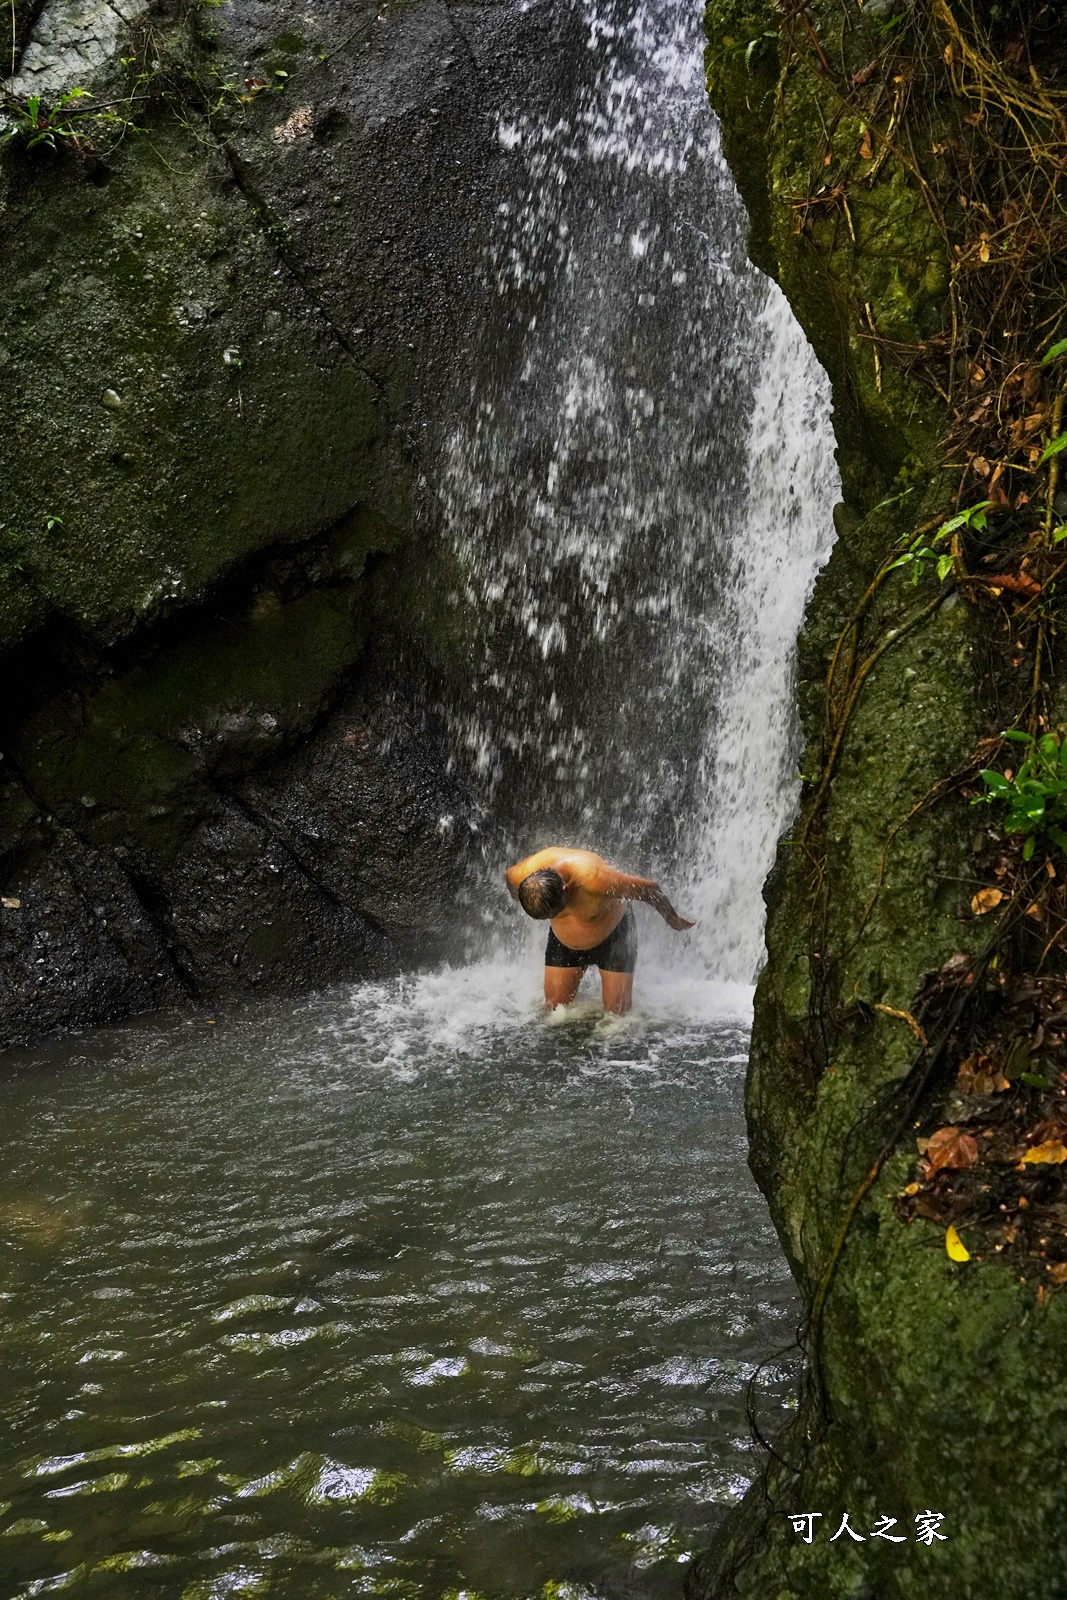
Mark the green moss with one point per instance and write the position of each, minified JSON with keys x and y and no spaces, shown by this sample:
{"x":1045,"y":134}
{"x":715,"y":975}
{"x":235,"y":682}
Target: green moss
{"x":874,"y":246}
{"x":945,"y":1386}
{"x":241,"y":421}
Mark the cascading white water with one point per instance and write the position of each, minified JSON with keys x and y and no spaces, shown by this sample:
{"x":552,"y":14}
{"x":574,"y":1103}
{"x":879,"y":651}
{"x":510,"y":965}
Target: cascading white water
{"x":753,"y":744}
{"x":638,"y":495}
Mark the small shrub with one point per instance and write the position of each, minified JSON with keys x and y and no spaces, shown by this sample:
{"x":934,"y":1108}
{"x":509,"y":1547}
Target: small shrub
{"x":1036,"y":794}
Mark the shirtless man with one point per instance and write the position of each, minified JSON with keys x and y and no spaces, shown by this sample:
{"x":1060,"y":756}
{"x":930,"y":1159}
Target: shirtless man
{"x":591,"y":925}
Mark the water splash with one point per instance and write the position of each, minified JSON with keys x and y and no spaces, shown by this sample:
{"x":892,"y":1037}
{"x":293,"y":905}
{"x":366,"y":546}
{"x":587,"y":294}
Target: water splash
{"x":637,"y":495}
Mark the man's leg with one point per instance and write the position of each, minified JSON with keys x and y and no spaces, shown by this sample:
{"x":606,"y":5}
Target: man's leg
{"x":561,"y":985}
{"x":617,"y":989}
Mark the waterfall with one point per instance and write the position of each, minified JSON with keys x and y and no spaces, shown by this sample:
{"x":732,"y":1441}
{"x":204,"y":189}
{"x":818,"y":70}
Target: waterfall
{"x":635,"y":497}
{"x":749,"y":764}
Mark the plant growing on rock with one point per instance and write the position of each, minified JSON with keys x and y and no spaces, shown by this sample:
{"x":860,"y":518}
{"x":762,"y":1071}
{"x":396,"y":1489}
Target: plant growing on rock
{"x":32,"y":123}
{"x":89,"y":132}
{"x":918,"y":556}
{"x":1035,"y":794}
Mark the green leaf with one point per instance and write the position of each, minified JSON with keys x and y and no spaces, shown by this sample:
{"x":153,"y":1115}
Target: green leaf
{"x":974,"y":517}
{"x":894,"y":499}
{"x":997,"y":782}
{"x":1057,"y":836}
{"x":1035,"y":1080}
{"x":1058,"y":349}
{"x":1053,"y":448}
{"x":1017,"y":735}
{"x":1028,"y":848}
{"x":1059,"y":533}
{"x":944,"y":567}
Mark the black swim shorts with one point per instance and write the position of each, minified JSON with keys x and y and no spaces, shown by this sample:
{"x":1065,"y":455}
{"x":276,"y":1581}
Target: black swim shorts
{"x":616,"y":953}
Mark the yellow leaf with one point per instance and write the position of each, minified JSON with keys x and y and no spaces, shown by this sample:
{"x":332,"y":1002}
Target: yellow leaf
{"x":955,"y":1246}
{"x":983,"y":254}
{"x":985,"y":900}
{"x":1053,"y":1151}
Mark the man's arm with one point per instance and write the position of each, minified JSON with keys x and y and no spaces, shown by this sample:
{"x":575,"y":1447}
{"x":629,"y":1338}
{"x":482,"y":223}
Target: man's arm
{"x":624,"y":886}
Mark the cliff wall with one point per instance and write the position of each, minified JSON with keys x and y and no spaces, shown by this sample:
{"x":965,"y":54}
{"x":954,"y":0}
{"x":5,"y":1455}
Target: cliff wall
{"x":902,"y":164}
{"x":240,"y":247}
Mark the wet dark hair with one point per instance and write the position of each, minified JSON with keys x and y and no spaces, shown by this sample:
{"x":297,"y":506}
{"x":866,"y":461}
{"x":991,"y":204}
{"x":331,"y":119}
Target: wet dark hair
{"x":543,"y":894}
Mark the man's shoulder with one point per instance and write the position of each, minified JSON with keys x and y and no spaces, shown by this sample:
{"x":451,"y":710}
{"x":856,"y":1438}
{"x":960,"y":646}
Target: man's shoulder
{"x":576,"y":862}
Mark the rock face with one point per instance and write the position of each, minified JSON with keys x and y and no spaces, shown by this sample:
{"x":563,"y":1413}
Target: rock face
{"x":238,"y":277}
{"x":934,"y":1386}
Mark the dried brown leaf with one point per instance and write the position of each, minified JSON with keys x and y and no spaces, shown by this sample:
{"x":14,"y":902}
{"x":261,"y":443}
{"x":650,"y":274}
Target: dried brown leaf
{"x":951,"y":1147}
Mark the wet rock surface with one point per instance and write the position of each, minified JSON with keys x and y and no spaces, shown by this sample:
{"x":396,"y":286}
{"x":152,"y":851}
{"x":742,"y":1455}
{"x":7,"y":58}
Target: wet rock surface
{"x":341,"y":860}
{"x":228,"y":339}
{"x":76,"y":945}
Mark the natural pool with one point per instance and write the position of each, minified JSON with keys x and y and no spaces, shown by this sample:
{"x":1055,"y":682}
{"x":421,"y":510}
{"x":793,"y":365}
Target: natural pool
{"x":401,"y":1290}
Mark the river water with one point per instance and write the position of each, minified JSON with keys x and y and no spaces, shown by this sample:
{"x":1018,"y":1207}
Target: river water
{"x":402,"y":1291}
{"x":407,"y":1289}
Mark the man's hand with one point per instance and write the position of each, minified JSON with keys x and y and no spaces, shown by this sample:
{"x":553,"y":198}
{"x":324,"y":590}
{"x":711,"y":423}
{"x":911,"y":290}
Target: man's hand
{"x":679,"y":924}
{"x":653,"y":896}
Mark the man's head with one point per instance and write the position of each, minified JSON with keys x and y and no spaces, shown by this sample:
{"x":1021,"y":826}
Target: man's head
{"x":543,"y":894}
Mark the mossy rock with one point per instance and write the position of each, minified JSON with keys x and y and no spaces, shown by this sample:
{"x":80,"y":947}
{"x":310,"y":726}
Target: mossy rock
{"x":936,"y":1385}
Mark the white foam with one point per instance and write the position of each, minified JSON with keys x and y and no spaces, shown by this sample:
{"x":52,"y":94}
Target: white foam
{"x":440,"y":1017}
